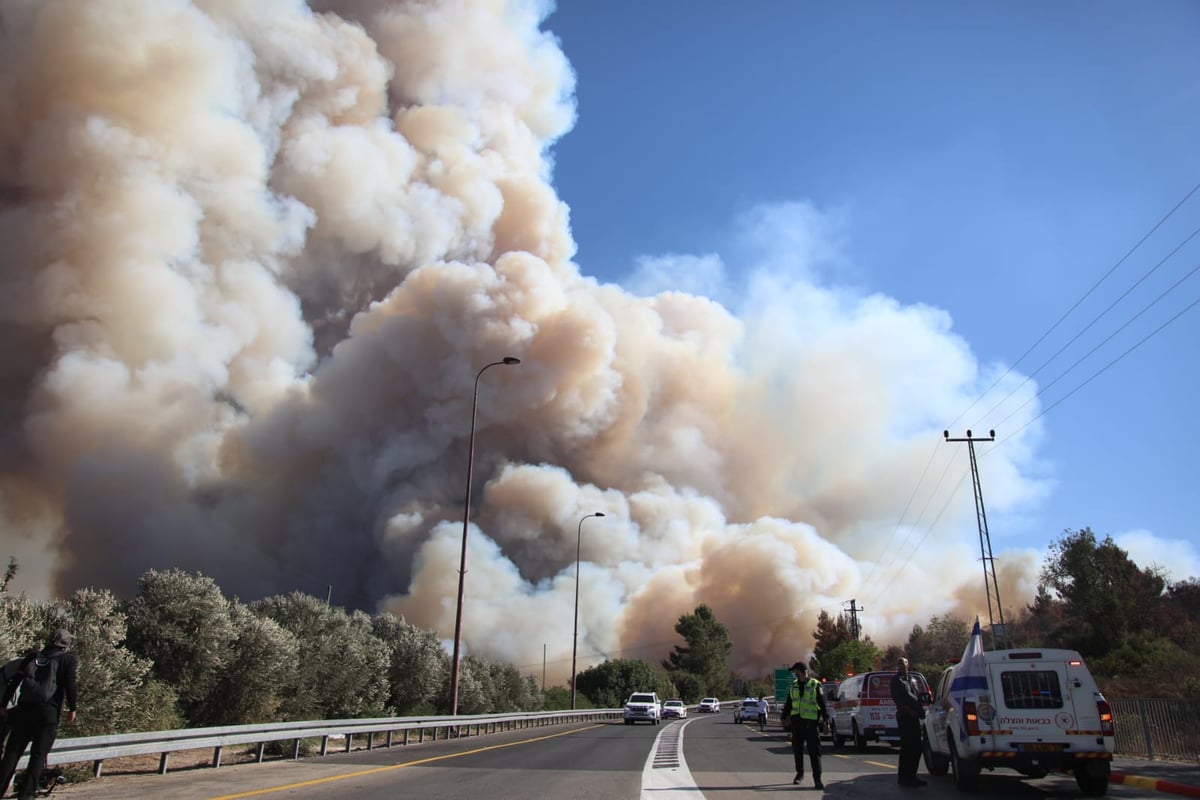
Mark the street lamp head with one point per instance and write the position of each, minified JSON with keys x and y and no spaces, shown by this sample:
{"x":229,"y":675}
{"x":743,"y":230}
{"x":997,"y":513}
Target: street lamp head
{"x":511,"y":360}
{"x":598,"y":514}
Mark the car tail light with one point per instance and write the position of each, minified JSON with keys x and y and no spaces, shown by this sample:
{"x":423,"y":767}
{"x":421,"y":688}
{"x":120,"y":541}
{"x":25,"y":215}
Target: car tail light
{"x":971,"y":718}
{"x":1106,"y":717}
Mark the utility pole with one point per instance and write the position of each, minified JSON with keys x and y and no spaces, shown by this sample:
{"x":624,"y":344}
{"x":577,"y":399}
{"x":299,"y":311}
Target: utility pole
{"x":992,"y":586}
{"x":854,"y":629}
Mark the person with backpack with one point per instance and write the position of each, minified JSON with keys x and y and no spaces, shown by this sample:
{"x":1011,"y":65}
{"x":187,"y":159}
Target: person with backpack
{"x":45,"y":682}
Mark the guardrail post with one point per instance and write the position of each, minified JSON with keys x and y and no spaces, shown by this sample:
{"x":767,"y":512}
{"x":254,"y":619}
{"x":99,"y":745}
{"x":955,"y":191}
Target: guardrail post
{"x":371,"y":740}
{"x":389,"y":738}
{"x":262,"y":749}
{"x":97,"y":767}
{"x":216,"y":756}
{"x":162,"y":763}
{"x":349,"y":741}
{"x":296,"y":750}
{"x":324,"y":745}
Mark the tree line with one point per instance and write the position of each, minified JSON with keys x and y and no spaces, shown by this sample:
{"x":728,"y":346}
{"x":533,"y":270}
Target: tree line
{"x":181,"y":654}
{"x":1138,"y":632}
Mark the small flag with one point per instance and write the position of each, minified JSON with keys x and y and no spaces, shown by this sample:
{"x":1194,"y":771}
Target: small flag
{"x":970,"y":679}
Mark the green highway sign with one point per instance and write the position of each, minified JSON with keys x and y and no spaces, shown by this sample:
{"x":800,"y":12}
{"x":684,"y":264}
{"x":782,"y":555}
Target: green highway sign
{"x":783,"y":682}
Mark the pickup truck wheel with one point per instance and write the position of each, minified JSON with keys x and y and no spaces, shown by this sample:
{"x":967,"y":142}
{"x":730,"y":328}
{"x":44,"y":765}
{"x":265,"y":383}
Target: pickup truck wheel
{"x":936,"y":763}
{"x":1093,"y":779}
{"x":966,"y":774}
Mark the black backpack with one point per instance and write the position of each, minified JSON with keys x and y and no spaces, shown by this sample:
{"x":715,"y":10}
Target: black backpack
{"x":39,"y":683}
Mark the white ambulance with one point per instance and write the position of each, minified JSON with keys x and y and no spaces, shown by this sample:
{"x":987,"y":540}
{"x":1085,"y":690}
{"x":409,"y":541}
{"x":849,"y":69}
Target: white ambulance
{"x":864,"y":711}
{"x":1038,"y":710}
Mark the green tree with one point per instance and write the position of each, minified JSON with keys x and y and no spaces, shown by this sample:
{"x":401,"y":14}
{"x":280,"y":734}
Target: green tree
{"x":259,"y":664}
{"x":419,"y":666}
{"x":706,"y":652}
{"x":558,"y":698}
{"x":930,"y":649}
{"x":1107,"y":596}
{"x":181,"y":622}
{"x":609,"y":685}
{"x":830,"y":634}
{"x":855,"y":657}
{"x":116,"y":691}
{"x":23,"y":625}
{"x":342,"y":668}
{"x":690,"y":687}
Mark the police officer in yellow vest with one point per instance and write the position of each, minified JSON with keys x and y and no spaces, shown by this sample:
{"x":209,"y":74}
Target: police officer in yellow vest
{"x":803,"y":712}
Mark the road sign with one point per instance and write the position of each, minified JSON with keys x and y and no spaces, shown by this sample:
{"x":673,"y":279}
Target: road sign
{"x":783,"y":682}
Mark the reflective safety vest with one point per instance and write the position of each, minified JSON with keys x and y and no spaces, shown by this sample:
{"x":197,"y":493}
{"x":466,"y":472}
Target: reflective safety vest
{"x":804,"y":704}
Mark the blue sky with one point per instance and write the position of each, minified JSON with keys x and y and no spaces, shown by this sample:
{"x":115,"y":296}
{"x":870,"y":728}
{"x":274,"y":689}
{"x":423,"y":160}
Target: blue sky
{"x":993,"y":160}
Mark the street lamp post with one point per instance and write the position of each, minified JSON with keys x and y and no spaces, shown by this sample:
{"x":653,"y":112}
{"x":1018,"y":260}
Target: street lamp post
{"x":462,"y":565}
{"x":575,"y":637}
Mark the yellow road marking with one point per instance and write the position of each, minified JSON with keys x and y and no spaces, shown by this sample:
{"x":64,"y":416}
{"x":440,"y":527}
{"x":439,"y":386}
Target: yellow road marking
{"x":360,"y":773}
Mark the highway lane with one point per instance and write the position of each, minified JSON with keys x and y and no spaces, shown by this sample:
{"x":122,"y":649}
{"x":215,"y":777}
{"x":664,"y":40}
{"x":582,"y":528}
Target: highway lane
{"x":584,"y":762}
{"x":706,"y":754}
{"x":737,"y":762}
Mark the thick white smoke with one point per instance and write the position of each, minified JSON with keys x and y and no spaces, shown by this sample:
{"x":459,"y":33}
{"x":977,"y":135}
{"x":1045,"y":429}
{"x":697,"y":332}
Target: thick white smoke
{"x":255,"y":252}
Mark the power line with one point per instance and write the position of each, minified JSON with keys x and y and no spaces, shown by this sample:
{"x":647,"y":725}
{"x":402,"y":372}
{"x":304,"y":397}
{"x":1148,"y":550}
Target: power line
{"x":1141,"y":241}
{"x":1079,"y":302}
{"x":1103,"y":369}
{"x":1106,"y":340}
{"x":1096,"y":319}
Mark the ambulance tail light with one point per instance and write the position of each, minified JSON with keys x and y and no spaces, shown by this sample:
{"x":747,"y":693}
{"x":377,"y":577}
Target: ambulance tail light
{"x":1106,"y":717}
{"x":972,"y":718}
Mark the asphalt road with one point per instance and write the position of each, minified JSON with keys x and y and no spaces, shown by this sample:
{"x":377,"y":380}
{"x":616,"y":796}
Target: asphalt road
{"x":706,"y":757}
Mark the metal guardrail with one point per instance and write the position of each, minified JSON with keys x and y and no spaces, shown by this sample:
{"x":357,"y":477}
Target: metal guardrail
{"x":1158,"y":728}
{"x":97,"y":749}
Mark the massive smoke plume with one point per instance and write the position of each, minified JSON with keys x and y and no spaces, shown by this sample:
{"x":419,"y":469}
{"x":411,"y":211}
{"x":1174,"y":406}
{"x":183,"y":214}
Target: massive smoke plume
{"x":254,"y":255}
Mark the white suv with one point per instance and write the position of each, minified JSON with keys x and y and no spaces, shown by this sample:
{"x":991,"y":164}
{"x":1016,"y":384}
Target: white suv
{"x":643,"y":706}
{"x":1037,"y":710}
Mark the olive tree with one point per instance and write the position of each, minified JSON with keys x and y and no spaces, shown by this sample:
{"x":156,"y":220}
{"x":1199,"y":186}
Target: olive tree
{"x":260,"y":662}
{"x":419,"y":666}
{"x":342,"y":667}
{"x":23,"y":625}
{"x":116,"y":691}
{"x":182,"y":623}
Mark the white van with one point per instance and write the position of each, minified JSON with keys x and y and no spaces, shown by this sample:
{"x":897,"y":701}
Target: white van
{"x":864,"y":711}
{"x":1040,"y":711}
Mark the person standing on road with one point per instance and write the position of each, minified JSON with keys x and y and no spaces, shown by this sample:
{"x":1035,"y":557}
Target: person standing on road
{"x":909,"y":713}
{"x":762,"y":713}
{"x":803,"y":712}
{"x":49,"y":682}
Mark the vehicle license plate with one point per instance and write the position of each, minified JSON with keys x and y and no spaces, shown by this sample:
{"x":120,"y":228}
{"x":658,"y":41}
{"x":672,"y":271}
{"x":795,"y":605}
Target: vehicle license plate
{"x":1040,"y":747}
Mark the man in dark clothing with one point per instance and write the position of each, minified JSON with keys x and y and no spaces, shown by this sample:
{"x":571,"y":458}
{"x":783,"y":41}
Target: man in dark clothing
{"x":34,"y":720}
{"x":803,"y":712}
{"x":909,"y":713}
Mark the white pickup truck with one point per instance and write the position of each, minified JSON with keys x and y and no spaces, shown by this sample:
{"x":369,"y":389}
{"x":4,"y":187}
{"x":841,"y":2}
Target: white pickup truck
{"x":1037,"y":710}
